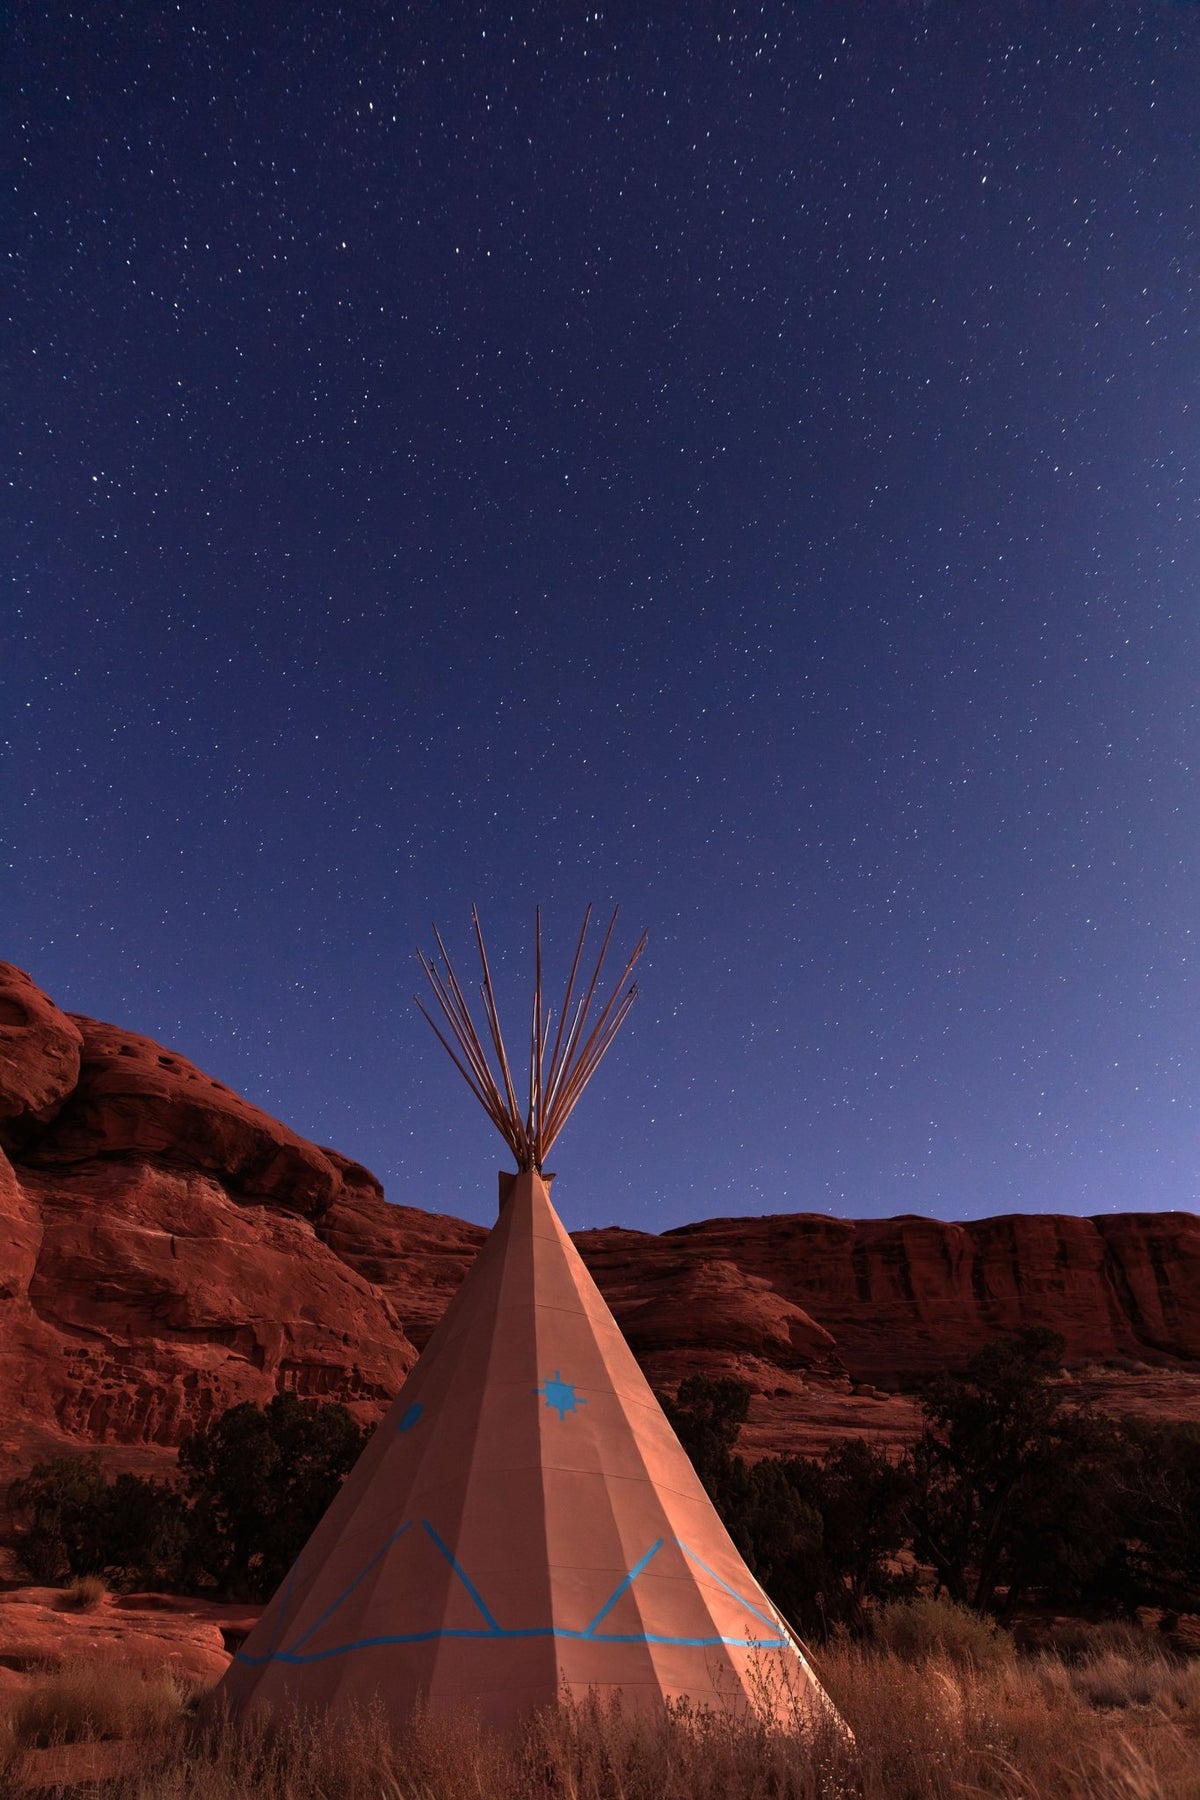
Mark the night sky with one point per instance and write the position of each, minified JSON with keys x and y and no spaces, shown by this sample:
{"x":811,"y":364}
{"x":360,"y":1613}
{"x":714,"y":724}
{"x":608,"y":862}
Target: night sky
{"x":737,"y":461}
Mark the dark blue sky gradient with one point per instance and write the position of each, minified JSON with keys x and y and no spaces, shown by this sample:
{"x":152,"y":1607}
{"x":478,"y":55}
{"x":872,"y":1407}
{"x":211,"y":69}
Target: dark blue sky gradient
{"x":740,"y":461}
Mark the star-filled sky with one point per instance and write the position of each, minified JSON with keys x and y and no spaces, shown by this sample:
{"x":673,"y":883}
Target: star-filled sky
{"x":735,"y":460}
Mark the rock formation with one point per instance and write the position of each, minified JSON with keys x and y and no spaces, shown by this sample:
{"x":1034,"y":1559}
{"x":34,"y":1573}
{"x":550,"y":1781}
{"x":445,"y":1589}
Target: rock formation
{"x":41,"y":1633}
{"x":904,"y":1297}
{"x":134,"y":1101}
{"x":158,"y":1261}
{"x":39,"y":1055}
{"x":166,"y":1249}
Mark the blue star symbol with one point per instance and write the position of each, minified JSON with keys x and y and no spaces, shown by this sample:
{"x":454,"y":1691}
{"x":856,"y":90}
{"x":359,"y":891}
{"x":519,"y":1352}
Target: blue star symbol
{"x":560,"y":1395}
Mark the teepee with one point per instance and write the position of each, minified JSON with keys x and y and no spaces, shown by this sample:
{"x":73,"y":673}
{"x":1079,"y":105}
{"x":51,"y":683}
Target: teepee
{"x":524,"y":1521}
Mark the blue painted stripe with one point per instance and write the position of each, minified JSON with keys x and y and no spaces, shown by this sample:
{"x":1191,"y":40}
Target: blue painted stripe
{"x":589,"y":1634}
{"x":740,"y":1598}
{"x":365,"y":1570}
{"x":462,"y":1576}
{"x":533,"y":1631}
{"x":625,"y":1582}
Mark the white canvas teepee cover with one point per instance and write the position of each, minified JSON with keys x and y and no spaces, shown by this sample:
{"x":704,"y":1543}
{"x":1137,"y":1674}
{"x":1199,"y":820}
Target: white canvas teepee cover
{"x":523,"y":1523}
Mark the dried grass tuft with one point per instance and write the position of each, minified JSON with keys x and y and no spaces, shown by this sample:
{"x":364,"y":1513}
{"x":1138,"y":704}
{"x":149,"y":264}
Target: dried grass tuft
{"x":86,"y":1593}
{"x":95,"y":1700}
{"x":1078,"y":1640}
{"x":1110,"y":1681}
{"x":921,"y":1627}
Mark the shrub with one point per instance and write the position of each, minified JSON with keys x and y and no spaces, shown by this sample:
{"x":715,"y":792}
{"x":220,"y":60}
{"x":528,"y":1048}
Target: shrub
{"x":259,"y":1479}
{"x":54,"y":1507}
{"x":707,"y":1414}
{"x":72,"y":1521}
{"x":820,"y":1536}
{"x":1161,"y":1551}
{"x":143,"y":1533}
{"x":920,"y":1628}
{"x":861,"y":1499}
{"x":95,"y":1700}
{"x":86,"y":1593}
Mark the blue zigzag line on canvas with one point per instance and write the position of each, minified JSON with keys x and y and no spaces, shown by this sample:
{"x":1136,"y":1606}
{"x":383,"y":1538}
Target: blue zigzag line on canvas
{"x":492,"y":1631}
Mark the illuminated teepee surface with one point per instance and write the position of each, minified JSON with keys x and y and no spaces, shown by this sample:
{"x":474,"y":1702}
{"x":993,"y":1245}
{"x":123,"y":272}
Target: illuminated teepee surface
{"x":524,"y":1522}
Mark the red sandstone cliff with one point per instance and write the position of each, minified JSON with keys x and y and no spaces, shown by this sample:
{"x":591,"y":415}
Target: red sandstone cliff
{"x":166,"y":1249}
{"x":157,"y":1255}
{"x":903,"y":1297}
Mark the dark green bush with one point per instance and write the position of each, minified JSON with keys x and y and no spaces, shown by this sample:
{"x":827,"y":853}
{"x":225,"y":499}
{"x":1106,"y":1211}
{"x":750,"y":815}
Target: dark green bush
{"x":1011,"y":1493}
{"x":819,"y":1536}
{"x":73,"y":1522}
{"x":255,"y":1484}
{"x":258,"y":1480}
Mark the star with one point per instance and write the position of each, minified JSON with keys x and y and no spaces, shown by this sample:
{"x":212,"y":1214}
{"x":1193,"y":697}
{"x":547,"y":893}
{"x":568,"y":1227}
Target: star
{"x":560,"y":1395}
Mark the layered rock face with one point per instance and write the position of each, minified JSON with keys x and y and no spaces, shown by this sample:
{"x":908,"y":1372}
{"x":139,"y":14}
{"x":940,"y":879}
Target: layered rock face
{"x":905,"y":1297}
{"x":40,"y":1053}
{"x":166,"y":1249}
{"x":124,"y":1097}
{"x":158,"y":1261}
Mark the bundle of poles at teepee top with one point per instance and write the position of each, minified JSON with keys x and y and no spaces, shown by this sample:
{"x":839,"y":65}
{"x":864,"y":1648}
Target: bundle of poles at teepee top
{"x":554,"y":1087}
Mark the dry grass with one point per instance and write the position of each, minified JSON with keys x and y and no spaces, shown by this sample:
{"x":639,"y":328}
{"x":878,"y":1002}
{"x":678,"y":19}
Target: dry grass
{"x":87,"y":1701}
{"x":921,"y":1628}
{"x":1113,"y":1726}
{"x":9,"y":1749}
{"x":1080,"y":1640}
{"x":1100,"y":1729}
{"x":86,"y":1593}
{"x":1110,"y":1680}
